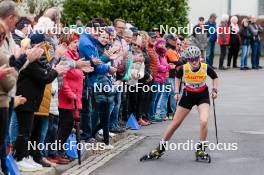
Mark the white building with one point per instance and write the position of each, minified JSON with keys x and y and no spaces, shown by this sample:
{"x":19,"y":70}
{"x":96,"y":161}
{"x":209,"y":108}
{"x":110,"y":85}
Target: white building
{"x":241,"y":7}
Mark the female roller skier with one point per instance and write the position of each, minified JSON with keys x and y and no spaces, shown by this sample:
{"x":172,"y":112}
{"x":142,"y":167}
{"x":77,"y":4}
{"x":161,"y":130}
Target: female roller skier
{"x":194,"y":73}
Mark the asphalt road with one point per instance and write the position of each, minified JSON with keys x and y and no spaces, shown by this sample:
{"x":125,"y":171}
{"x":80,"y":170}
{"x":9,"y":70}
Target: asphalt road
{"x":240,"y":116}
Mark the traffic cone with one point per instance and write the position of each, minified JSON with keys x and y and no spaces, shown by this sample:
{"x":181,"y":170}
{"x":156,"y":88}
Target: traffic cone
{"x":12,"y":165}
{"x":132,"y":123}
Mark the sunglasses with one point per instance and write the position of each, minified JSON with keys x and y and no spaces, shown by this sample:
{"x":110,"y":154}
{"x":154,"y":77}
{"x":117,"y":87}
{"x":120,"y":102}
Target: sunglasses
{"x":135,"y":45}
{"x":2,"y":36}
{"x":193,"y":59}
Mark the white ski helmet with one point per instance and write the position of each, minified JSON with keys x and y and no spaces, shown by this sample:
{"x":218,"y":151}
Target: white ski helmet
{"x":192,"y":52}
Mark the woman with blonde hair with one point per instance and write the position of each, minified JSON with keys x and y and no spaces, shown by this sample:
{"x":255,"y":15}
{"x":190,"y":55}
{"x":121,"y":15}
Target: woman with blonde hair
{"x":245,"y":35}
{"x":234,"y":42}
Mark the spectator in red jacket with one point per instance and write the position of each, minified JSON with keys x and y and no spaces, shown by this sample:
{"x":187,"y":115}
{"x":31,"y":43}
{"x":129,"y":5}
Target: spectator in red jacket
{"x":70,"y":91}
{"x":223,"y":39}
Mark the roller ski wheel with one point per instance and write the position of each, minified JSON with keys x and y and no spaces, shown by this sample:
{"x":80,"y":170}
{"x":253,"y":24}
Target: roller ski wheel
{"x":155,"y":154}
{"x":145,"y":157}
{"x":203,"y":157}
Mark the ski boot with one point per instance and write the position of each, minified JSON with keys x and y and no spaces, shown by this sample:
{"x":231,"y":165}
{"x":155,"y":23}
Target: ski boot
{"x":155,"y":153}
{"x":200,"y":154}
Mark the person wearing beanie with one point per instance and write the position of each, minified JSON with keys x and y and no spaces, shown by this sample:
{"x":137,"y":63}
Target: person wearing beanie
{"x":31,"y":84}
{"x":37,"y":38}
{"x":22,"y":30}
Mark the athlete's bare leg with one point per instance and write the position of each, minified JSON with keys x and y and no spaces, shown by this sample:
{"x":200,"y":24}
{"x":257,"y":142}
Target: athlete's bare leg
{"x":204,"y":114}
{"x":178,"y":118}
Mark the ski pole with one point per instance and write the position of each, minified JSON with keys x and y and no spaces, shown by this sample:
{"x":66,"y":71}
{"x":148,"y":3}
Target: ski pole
{"x":216,"y":135}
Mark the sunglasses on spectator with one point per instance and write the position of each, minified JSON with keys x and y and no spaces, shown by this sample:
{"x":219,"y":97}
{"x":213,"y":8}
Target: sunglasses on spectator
{"x":135,"y":45}
{"x":193,"y":59}
{"x":2,"y":36}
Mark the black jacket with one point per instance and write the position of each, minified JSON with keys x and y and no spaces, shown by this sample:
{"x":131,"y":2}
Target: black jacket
{"x":17,"y":38}
{"x":147,"y":63}
{"x":245,"y":35}
{"x":31,"y":84}
{"x":234,"y":38}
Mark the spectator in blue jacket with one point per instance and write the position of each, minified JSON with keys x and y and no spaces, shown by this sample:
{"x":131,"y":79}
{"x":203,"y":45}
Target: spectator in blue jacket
{"x":212,"y":30}
{"x":89,"y":51}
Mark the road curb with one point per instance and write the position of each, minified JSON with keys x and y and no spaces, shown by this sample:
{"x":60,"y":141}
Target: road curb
{"x":93,"y":159}
{"x":96,"y":161}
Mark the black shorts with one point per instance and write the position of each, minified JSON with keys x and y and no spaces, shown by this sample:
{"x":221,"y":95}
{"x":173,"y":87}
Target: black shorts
{"x":190,"y":99}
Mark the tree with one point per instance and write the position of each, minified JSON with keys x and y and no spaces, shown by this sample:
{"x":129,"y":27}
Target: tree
{"x":145,"y":14}
{"x":37,"y":7}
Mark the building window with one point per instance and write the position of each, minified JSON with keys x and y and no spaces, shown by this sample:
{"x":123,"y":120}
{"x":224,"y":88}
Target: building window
{"x":261,"y":8}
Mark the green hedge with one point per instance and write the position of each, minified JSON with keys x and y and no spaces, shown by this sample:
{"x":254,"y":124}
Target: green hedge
{"x":146,"y":14}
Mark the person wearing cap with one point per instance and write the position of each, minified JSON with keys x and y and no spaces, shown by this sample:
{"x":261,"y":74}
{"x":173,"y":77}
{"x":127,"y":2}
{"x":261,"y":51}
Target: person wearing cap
{"x":152,"y":54}
{"x":156,"y":30}
{"x":135,"y":32}
{"x":154,"y":69}
{"x":200,"y":36}
{"x":211,"y":27}
{"x":22,"y":30}
{"x":173,"y":58}
{"x":78,"y":22}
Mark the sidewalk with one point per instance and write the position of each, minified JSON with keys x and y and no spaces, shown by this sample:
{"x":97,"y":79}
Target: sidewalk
{"x":93,"y":159}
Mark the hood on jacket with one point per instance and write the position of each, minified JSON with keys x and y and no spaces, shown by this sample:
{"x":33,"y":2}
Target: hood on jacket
{"x":160,"y":50}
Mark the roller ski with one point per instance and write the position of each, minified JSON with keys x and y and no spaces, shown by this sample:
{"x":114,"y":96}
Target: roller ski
{"x":201,"y":155}
{"x":155,"y":153}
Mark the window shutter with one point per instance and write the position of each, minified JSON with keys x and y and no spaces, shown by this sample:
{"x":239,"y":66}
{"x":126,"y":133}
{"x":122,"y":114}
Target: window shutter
{"x":261,"y":8}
